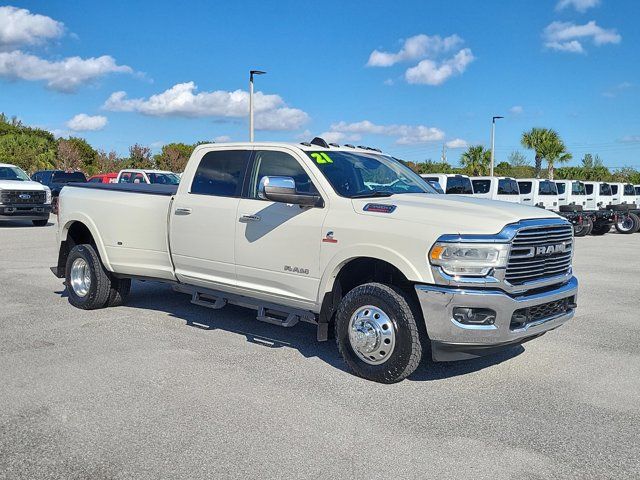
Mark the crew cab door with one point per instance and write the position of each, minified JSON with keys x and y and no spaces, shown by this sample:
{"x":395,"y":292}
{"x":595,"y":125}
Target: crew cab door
{"x":278,"y":244}
{"x":204,"y":219}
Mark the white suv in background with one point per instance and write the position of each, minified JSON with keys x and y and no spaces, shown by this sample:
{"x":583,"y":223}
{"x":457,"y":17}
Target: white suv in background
{"x":161,"y":177}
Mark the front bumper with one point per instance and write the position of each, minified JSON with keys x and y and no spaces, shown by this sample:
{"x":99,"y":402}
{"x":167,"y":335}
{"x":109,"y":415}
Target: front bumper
{"x":24,"y":212}
{"x":451,"y":340}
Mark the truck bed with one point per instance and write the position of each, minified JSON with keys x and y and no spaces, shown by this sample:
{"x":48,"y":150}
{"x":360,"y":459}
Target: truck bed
{"x":128,"y":222}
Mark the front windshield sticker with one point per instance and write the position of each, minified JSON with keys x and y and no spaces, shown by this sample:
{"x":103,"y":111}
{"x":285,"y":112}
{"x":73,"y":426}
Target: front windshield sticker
{"x":321,"y":157}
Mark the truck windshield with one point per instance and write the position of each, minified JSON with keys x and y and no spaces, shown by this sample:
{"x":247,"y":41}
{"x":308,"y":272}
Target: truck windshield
{"x":164,"y":178}
{"x":13,"y":173}
{"x":68,"y":177}
{"x":362,"y":175}
{"x":547,"y":187}
{"x":577,"y":188}
{"x":508,"y":186}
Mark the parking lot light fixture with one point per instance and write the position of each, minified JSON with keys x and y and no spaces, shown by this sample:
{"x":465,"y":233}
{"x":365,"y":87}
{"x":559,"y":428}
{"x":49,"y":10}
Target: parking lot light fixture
{"x":493,"y":139}
{"x":251,"y":74}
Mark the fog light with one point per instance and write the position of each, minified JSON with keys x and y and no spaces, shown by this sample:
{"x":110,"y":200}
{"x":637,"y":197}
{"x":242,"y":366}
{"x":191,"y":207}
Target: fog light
{"x":474,"y":316}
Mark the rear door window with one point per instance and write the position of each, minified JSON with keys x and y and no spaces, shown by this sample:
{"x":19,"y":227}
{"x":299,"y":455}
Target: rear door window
{"x":459,"y":185}
{"x":561,"y":188}
{"x":525,"y":187}
{"x":508,"y":186}
{"x":221,"y":173}
{"x":589,"y":189}
{"x":629,"y":190}
{"x":605,"y":189}
{"x":547,"y":188}
{"x":481,"y":186}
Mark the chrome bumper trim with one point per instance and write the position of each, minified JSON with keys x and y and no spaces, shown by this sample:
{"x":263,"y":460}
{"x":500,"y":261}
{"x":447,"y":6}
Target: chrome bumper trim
{"x":437,"y":303}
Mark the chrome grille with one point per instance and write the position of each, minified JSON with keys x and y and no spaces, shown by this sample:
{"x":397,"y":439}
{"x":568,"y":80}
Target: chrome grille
{"x":23,"y":197}
{"x":526,"y":264}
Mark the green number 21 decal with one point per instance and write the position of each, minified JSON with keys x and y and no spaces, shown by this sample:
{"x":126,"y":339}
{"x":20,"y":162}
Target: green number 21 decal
{"x":321,"y":157}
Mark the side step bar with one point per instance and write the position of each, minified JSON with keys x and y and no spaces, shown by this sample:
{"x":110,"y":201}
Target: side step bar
{"x":267,"y":312}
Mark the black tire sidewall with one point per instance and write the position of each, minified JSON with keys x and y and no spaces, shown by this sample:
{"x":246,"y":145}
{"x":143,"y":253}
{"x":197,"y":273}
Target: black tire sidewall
{"x":402,"y":319}
{"x":100,"y":284}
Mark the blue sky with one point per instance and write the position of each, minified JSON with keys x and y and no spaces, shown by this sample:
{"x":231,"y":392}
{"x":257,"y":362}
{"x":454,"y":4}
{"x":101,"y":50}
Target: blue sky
{"x":404,"y":76}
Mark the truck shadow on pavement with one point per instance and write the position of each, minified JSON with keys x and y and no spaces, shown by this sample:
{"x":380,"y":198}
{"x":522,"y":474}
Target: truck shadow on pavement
{"x":302,"y":337}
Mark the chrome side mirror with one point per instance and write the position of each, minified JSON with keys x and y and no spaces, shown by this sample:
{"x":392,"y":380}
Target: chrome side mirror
{"x":283,"y":190}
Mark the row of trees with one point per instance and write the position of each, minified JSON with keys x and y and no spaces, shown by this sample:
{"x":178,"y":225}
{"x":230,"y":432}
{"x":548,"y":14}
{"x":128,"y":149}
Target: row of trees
{"x":35,"y":149}
{"x":550,"y":152}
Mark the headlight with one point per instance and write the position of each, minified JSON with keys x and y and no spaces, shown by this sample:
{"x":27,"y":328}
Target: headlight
{"x":469,"y":259}
{"x":48,"y":198}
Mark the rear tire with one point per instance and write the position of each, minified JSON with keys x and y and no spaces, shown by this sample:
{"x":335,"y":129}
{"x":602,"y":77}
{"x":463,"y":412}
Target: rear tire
{"x":40,"y":223}
{"x":628,"y":224}
{"x":599,"y":230}
{"x":376,"y":333}
{"x":584,"y":228}
{"x":88,"y":282}
{"x":119,"y":291}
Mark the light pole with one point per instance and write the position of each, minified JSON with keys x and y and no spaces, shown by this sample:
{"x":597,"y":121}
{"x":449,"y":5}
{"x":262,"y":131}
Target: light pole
{"x":251,"y":74}
{"x":493,"y":139}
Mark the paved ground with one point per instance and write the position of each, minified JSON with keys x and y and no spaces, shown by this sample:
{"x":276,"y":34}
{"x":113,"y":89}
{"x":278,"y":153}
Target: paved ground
{"x":164,"y":389}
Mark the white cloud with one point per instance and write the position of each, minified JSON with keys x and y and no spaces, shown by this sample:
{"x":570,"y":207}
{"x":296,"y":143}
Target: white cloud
{"x":630,"y":139}
{"x":64,"y":75}
{"x":618,"y":89}
{"x":222,"y":139}
{"x":271,"y":112}
{"x":431,"y":72}
{"x":579,"y":5}
{"x":457,"y":143}
{"x":414,"y":48}
{"x":340,"y":137}
{"x":516,"y":110}
{"x":406,"y":134}
{"x":568,"y":37}
{"x":19,"y":26}
{"x":83,"y":122}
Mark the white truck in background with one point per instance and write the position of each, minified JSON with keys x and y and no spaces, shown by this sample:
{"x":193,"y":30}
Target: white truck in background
{"x":155,"y":177}
{"x":623,"y":202}
{"x":504,"y":189}
{"x":348,"y":239}
{"x":451,"y":183}
{"x":21,"y":198}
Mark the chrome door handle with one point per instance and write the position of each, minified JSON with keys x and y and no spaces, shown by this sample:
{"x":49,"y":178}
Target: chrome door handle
{"x":183,"y":211}
{"x":249,"y":218}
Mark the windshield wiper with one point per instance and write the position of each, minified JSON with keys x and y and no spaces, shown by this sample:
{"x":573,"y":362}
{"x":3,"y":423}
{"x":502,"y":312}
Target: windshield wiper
{"x":376,"y":193}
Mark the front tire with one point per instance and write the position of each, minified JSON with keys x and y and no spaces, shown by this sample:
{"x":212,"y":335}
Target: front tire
{"x":376,"y":333}
{"x":88,"y":282}
{"x":628,"y":223}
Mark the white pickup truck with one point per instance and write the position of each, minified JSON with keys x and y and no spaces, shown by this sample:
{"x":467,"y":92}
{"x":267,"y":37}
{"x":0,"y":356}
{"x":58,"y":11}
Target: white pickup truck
{"x":346,"y":238}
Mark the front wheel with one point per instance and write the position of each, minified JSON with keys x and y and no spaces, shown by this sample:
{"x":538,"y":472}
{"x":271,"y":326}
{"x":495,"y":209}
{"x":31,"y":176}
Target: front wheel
{"x":376,"y":333}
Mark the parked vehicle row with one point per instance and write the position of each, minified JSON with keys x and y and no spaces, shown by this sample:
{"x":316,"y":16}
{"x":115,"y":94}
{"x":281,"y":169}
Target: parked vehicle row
{"x":591,"y":207}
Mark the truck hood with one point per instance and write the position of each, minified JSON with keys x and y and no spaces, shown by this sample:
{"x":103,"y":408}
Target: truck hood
{"x":20,"y":185}
{"x":456,"y":214}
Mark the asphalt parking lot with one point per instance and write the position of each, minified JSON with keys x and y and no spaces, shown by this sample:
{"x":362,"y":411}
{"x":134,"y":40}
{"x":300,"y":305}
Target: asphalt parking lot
{"x":161,"y":388}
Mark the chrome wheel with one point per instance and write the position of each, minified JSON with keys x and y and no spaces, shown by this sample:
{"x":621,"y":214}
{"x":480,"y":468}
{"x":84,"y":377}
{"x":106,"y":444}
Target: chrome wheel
{"x":80,"y":277}
{"x":371,"y":335}
{"x":625,"y":224}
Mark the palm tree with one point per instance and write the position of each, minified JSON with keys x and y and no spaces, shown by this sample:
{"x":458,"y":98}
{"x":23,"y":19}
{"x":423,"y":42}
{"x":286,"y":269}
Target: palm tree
{"x":556,"y":154}
{"x":537,"y":139}
{"x":476,"y":160}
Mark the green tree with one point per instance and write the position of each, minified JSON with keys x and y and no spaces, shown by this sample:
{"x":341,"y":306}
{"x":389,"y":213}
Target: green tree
{"x":86,"y":153}
{"x":537,"y":139}
{"x":139,"y":157}
{"x":174,"y":156}
{"x":476,"y":160}
{"x":518,"y":159}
